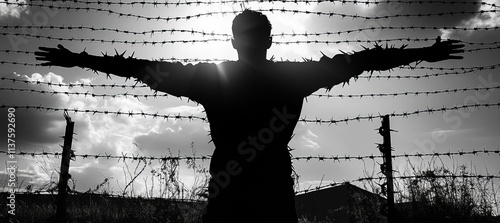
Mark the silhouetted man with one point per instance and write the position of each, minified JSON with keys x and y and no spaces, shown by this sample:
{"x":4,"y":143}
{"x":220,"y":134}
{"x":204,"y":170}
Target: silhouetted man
{"x":253,"y":105}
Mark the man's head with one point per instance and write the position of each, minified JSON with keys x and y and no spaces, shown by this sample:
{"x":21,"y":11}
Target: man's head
{"x":251,"y":31}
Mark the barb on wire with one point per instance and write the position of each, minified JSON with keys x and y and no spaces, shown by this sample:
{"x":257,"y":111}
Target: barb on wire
{"x":314,"y":121}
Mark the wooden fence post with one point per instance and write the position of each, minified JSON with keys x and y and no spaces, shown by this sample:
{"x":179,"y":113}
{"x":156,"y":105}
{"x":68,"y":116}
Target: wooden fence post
{"x":64,"y":175}
{"x":386,"y":149}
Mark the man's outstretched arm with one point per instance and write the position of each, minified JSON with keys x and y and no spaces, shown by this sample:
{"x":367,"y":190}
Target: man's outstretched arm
{"x":172,"y":78}
{"x":380,"y":58}
{"x":310,"y":76}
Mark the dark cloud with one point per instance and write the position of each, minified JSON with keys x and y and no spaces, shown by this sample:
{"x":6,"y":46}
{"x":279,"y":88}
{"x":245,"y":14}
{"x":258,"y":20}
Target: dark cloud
{"x":32,"y":127}
{"x":430,"y":7}
{"x":391,"y":9}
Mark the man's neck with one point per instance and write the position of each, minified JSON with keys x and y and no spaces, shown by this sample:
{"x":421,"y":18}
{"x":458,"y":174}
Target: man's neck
{"x":255,"y":57}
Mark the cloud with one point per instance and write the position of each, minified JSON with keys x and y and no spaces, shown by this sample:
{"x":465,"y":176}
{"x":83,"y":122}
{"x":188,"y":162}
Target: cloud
{"x":483,"y":20}
{"x":12,"y":10}
{"x":433,"y":7}
{"x":34,"y":127}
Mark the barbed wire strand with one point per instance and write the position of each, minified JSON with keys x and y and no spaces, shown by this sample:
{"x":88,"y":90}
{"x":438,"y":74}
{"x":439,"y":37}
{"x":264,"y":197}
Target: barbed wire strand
{"x":195,"y":41}
{"x":334,"y":158}
{"x":203,"y":33}
{"x":71,"y":85}
{"x":238,"y":2}
{"x":124,"y":86}
{"x":305,"y":120}
{"x":28,"y":52}
{"x":234,"y":12}
{"x":156,"y":95}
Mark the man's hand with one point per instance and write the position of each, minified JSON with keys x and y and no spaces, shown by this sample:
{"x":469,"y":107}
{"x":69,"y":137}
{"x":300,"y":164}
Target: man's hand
{"x":443,"y":50}
{"x":59,"y":56}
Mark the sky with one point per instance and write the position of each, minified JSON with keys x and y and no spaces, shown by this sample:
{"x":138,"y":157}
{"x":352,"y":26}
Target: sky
{"x":440,"y":131}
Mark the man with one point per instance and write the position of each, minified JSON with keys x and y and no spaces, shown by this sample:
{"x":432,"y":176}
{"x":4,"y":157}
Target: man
{"x":253,"y":105}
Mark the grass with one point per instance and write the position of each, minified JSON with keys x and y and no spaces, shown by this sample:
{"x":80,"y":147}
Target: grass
{"x":100,"y":208}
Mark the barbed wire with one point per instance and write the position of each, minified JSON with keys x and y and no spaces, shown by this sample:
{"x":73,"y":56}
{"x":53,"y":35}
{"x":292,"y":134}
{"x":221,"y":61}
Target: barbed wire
{"x":305,"y":120}
{"x":71,"y":85}
{"x":28,"y":52}
{"x":203,"y":33}
{"x":368,"y":41}
{"x":116,"y":30}
{"x":493,"y":66}
{"x":85,"y":94}
{"x":123,"y":156}
{"x":232,"y":2}
{"x":119,"y":112}
{"x":405,"y":155}
{"x":156,"y":95}
{"x":407,"y":93}
{"x":421,"y":76}
{"x":458,"y":71}
{"x":401,"y":114}
{"x":334,"y":158}
{"x":234,"y":12}
{"x":113,"y":41}
{"x":193,"y":41}
{"x":26,"y":64}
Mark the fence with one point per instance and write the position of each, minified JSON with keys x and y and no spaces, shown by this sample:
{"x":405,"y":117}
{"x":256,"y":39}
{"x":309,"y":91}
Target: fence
{"x":431,"y":106}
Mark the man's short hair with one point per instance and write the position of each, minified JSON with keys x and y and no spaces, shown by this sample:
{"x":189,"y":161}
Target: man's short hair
{"x":251,"y":24}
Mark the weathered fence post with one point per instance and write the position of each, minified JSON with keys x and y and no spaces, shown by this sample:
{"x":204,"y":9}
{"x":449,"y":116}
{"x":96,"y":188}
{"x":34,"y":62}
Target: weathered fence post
{"x":386,"y":149}
{"x":64,"y":175}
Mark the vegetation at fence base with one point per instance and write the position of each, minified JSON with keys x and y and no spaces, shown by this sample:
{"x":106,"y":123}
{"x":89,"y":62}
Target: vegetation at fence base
{"x":101,"y":208}
{"x":429,"y":199}
{"x":451,"y":199}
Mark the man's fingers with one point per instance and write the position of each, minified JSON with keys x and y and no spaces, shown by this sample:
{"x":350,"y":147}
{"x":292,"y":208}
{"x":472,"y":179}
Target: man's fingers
{"x":41,"y":53}
{"x":457,"y":45}
{"x":456,"y":51}
{"x":41,"y":58}
{"x":48,"y":49}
